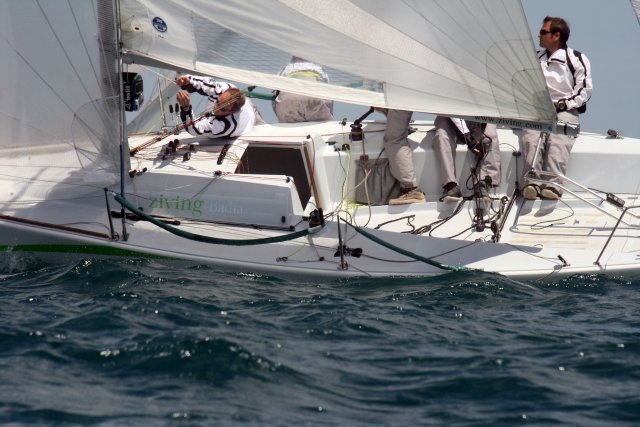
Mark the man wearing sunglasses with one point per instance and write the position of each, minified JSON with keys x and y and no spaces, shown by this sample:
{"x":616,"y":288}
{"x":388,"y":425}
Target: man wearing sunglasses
{"x":233,"y":114}
{"x":568,"y":75}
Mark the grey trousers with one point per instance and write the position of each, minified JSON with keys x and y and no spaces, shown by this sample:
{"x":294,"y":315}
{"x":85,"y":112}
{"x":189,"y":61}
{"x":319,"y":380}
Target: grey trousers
{"x":444,"y":147}
{"x":292,"y":108}
{"x":398,"y":149}
{"x":553,"y":156}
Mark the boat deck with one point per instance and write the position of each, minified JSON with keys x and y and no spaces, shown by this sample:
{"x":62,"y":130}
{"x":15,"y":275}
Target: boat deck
{"x":268,"y":183}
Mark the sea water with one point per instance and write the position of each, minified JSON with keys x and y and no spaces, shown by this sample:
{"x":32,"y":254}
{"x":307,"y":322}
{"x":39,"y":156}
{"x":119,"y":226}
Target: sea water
{"x":134,"y":343}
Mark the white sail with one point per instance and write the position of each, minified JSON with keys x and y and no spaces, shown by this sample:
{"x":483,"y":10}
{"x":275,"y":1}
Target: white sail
{"x":462,"y":58}
{"x":60,"y":96}
{"x":279,"y":200}
{"x":635,"y":4}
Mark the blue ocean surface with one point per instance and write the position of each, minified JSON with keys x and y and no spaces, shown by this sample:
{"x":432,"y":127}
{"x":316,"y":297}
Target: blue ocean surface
{"x":135,"y":343}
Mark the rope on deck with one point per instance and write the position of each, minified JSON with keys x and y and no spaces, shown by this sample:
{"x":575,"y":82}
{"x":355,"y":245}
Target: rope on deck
{"x":207,"y":239}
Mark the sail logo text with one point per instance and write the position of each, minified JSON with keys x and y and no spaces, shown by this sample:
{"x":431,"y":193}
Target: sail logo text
{"x":512,"y":123}
{"x":177,"y":203}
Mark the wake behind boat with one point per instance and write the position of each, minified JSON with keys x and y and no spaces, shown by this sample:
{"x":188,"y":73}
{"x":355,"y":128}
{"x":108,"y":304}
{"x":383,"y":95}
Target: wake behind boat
{"x":290,"y":200}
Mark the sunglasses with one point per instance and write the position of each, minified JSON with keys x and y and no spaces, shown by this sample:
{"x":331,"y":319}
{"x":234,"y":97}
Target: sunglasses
{"x":545,"y":32}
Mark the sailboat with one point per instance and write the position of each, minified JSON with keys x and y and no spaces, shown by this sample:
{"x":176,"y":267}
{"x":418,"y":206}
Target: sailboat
{"x":76,"y":182}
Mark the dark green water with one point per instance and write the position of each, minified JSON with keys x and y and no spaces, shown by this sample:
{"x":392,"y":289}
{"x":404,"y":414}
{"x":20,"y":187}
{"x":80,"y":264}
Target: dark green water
{"x":140,"y":344}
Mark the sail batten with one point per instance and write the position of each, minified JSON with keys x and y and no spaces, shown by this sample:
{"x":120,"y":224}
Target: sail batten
{"x":436,"y":57}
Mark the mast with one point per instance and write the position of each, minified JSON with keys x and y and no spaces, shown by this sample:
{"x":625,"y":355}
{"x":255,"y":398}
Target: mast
{"x":109,"y":27}
{"x":123,"y":120}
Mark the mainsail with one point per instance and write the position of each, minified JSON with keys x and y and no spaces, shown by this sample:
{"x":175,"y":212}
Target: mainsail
{"x":455,"y":58}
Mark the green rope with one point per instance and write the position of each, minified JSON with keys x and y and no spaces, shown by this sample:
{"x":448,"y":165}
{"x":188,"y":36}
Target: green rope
{"x":407,"y":253}
{"x":232,"y":242}
{"x":207,"y":239}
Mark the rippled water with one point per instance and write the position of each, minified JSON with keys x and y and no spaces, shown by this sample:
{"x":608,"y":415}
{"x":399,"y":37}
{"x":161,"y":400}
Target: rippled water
{"x":136,"y":343}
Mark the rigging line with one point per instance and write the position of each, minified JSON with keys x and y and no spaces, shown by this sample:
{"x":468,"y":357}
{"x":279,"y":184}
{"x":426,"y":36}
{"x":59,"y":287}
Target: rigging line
{"x":366,"y":191}
{"x":155,"y":122}
{"x":53,"y":226}
{"x":406,"y":252}
{"x":412,"y":216}
{"x":350,"y":222}
{"x":66,"y":54}
{"x":13,"y":177}
{"x":46,"y":83}
{"x":499,"y":27}
{"x":417,"y":49}
{"x":351,"y":266}
{"x":37,"y":74}
{"x":389,"y":260}
{"x":344,"y":182}
{"x":67,"y":224}
{"x":551,"y":260}
{"x":165,"y":134}
{"x":462,"y":232}
{"x":45,"y":132}
{"x":49,"y":200}
{"x":472,"y":52}
{"x":157,"y":73}
{"x":237,"y":230}
{"x":207,"y":239}
{"x":514,"y":50}
{"x":84,"y":45}
{"x":312,"y":166}
{"x":302,"y":245}
{"x":116,"y":47}
{"x":345,"y":186}
{"x":455,"y":250}
{"x":537,"y":226}
{"x":442,"y":221}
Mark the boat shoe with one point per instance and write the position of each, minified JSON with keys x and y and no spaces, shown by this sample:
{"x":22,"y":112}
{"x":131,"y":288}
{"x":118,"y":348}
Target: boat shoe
{"x":531,"y":192}
{"x":414,"y":195}
{"x":550,"y":193}
{"x":451,"y":194}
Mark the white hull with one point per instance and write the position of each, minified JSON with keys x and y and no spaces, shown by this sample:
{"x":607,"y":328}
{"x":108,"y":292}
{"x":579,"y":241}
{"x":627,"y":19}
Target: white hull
{"x":538,"y":238}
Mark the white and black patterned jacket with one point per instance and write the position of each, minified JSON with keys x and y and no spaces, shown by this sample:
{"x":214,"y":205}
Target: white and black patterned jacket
{"x":233,"y":125}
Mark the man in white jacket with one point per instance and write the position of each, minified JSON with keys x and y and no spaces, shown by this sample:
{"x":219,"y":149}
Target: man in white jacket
{"x":568,"y":76}
{"x":233,"y":113}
